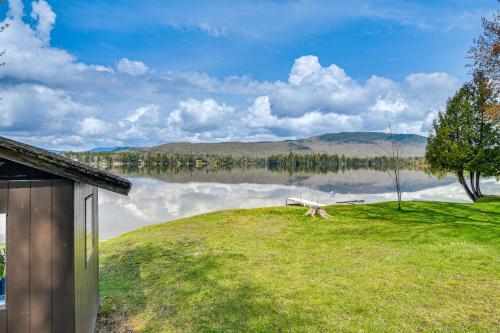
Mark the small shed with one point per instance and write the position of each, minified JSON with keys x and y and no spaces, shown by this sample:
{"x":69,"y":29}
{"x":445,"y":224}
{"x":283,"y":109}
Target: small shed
{"x":49,"y":240}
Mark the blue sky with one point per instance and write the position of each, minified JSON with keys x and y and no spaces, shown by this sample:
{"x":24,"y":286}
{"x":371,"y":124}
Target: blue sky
{"x":148,"y":72}
{"x":262,"y":38}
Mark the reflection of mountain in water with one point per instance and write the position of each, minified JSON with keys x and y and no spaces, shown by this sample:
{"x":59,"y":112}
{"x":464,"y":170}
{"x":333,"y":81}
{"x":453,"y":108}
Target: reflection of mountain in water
{"x":347,"y":181}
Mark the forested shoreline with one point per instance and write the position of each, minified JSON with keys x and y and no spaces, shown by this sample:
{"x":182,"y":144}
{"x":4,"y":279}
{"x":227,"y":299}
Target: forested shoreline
{"x":290,"y":162}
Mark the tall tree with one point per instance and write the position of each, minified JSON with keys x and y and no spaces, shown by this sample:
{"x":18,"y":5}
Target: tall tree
{"x":449,"y":146}
{"x":485,"y":50}
{"x":485,"y":134}
{"x":466,"y":137}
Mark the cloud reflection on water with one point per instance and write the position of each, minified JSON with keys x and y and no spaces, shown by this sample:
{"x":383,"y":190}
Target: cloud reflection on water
{"x":153,"y":201}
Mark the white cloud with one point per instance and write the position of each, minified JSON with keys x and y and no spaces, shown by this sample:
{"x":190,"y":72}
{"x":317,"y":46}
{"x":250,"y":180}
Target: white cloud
{"x":29,"y":59}
{"x":197,"y":116}
{"x":260,"y":116}
{"x":314,"y":89}
{"x":51,"y":99}
{"x":93,"y":127}
{"x":148,"y":114}
{"x":42,"y":12}
{"x":33,"y":108}
{"x":16,"y":9}
{"x":302,"y":68}
{"x":141,"y":125}
{"x":212,"y":30}
{"x":131,"y":67}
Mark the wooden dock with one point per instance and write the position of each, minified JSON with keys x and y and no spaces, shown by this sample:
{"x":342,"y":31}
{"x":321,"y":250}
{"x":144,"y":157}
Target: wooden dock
{"x":303,"y":202}
{"x":351,"y":202}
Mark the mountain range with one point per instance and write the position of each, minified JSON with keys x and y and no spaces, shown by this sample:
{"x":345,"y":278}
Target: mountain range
{"x":110,"y":149}
{"x":361,"y":144}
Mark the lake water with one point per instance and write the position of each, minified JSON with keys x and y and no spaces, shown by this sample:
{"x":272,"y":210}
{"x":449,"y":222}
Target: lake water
{"x":164,"y":196}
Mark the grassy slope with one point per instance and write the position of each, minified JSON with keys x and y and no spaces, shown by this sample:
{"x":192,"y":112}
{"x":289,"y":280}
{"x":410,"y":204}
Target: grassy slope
{"x":433,"y":267}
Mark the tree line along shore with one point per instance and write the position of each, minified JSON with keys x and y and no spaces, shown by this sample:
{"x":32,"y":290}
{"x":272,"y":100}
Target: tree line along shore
{"x":291,"y":161}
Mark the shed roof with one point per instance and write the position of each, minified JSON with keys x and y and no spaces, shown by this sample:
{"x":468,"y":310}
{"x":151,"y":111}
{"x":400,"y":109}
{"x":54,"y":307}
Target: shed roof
{"x":61,"y":166}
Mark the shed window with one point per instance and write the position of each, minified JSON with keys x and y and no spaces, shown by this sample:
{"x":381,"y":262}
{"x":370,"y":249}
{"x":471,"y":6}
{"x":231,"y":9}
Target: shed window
{"x":89,"y":226}
{"x":3,"y":256}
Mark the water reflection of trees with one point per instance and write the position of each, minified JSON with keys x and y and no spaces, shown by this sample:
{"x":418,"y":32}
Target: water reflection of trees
{"x":158,"y":163}
{"x":281,"y":169}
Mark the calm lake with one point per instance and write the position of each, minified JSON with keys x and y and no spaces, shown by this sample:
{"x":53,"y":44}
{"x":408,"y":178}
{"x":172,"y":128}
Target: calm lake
{"x":159,"y":196}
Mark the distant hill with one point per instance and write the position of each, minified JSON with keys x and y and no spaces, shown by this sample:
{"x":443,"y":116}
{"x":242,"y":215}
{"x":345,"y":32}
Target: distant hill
{"x":370,"y":137}
{"x":109,"y":149}
{"x":362,"y":144}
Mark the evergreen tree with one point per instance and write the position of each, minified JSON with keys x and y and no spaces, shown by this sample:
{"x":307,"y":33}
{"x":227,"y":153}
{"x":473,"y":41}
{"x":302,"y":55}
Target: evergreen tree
{"x":466,"y":138}
{"x":449,"y":146}
{"x":485,"y":131}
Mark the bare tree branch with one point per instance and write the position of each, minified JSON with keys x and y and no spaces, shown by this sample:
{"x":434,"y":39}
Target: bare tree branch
{"x":395,"y":161}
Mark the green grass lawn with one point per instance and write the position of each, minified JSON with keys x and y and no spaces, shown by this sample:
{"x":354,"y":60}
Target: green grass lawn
{"x":432,"y":267}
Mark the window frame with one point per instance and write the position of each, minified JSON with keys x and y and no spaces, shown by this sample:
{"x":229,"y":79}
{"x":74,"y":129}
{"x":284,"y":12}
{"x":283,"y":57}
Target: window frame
{"x":89,"y":252}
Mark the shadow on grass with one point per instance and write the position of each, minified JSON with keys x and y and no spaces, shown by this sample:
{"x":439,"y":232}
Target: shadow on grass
{"x":172,"y":287}
{"x":417,"y":219}
{"x":187,"y":286}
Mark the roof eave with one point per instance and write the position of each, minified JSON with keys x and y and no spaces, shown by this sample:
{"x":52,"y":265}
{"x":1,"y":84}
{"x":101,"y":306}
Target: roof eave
{"x":61,"y":166}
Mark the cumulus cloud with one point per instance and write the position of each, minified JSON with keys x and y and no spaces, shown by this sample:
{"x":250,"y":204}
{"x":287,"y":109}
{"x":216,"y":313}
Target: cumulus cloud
{"x":42,"y":12}
{"x":16,"y":9}
{"x":37,"y":109}
{"x":29,"y":58}
{"x":52,"y":99}
{"x":93,"y":127}
{"x":141,"y":124}
{"x":131,"y":67}
{"x":260,"y":117}
{"x":315,"y":88}
{"x":148,"y":115}
{"x":198,"y":116}
{"x":302,"y":68}
{"x":329,"y":90}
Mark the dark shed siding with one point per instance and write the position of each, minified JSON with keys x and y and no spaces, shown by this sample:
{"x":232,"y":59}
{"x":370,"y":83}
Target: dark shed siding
{"x":86,"y":271}
{"x":51,"y":285}
{"x":18,"y":253}
{"x":63,"y":272}
{"x":40,"y":257}
{"x":40,"y":281}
